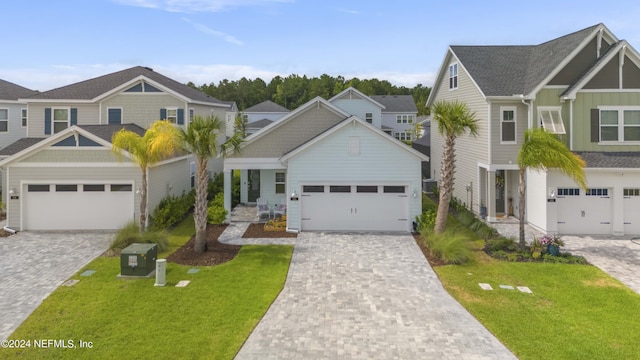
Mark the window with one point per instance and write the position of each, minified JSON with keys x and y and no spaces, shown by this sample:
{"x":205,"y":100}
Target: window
{"x":114,"y":115}
{"x":280,"y":183}
{"x":404,"y":119}
{"x":24,"y":117}
{"x":172,"y":115}
{"x":393,"y":189}
{"x":508,"y":125}
{"x":4,"y":120}
{"x":368,"y":117}
{"x":410,"y":119}
{"x":192,"y":174}
{"x":551,"y":119}
{"x":453,"y":76}
{"x":619,"y":124}
{"x":67,"y":188}
{"x":121,"y":187}
{"x":191,"y":115}
{"x":313,"y":188}
{"x":630,"y":192}
{"x":340,"y":188}
{"x":38,"y":188}
{"x":402,"y":136}
{"x":597,"y":192}
{"x":367,"y":188}
{"x":93,"y":187}
{"x":60,"y":119}
{"x":568,"y":192}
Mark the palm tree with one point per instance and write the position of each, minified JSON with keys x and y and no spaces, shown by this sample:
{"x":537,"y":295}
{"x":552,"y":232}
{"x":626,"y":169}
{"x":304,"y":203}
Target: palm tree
{"x":201,"y":139}
{"x":158,"y":143}
{"x":454,"y":120}
{"x":542,"y":150}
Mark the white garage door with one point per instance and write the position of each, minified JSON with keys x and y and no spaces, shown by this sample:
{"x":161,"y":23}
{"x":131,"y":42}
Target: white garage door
{"x":355,"y":208}
{"x":631,"y":208}
{"x":77,"y":206}
{"x":584,"y":212}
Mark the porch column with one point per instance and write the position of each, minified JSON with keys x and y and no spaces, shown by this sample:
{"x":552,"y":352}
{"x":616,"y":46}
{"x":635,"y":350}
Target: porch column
{"x":227,"y":193}
{"x":491,"y":196}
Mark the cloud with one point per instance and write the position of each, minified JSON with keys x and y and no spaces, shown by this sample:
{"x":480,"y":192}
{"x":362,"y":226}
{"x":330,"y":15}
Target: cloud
{"x":348,"y":11}
{"x":192,"y":6}
{"x":219,"y":34}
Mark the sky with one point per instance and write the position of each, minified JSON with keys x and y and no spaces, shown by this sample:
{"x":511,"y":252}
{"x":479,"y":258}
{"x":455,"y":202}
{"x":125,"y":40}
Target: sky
{"x":47,"y":44}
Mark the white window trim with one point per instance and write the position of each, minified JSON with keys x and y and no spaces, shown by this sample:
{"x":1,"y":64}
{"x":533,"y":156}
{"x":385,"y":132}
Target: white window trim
{"x":402,"y":135}
{"x":54,"y":121}
{"x":284,"y":183}
{"x":454,"y":76}
{"x":6,"y":120}
{"x":554,"y":129}
{"x":621,"y":126}
{"x":515,"y":124}
{"x":24,"y":117}
{"x":192,"y":115}
{"x":175,"y":121}
{"x":368,"y":117}
{"x":121,"y":114}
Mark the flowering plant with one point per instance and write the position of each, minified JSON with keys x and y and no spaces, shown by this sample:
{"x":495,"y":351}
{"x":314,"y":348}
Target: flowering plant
{"x":553,"y":240}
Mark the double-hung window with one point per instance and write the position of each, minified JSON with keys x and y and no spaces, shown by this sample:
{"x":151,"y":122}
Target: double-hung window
{"x":4,"y":120}
{"x":508,"y":125}
{"x":24,"y":117}
{"x":453,"y":76}
{"x":551,"y":119}
{"x":172,"y":115}
{"x":619,"y":124}
{"x":280,"y":183}
{"x":368,"y":117}
{"x":61,"y":119}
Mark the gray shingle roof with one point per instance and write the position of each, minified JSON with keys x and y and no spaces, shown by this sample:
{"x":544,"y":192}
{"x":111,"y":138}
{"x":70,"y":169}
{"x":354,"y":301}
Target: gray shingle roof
{"x":105,"y":132}
{"x":267,"y":106}
{"x":18,"y":146}
{"x":258,"y":124}
{"x":509,"y":70}
{"x":11,"y":91}
{"x":89,"y":89}
{"x":396,"y":103}
{"x":611,"y":159}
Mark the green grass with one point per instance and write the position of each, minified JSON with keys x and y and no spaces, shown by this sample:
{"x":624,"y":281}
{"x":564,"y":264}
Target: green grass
{"x":575,"y":311}
{"x":210,"y":318}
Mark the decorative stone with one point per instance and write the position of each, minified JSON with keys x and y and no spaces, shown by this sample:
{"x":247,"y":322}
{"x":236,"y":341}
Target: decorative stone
{"x":507,"y":287}
{"x":88,"y":273}
{"x":193,"y":271}
{"x":183,"y":283}
{"x":485,"y":286}
{"x":525,"y":289}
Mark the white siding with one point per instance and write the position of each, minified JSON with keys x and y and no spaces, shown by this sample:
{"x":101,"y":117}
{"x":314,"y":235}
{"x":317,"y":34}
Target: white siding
{"x":268,"y":187}
{"x":15,"y":130}
{"x":536,"y":212}
{"x":169,"y":179}
{"x":88,"y":114}
{"x":141,"y":109}
{"x":328,"y":162}
{"x":359,"y":107}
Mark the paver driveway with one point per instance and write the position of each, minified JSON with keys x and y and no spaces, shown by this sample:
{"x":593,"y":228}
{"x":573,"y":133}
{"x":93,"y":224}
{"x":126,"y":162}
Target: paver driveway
{"x":33,"y":264}
{"x":364,"y":296}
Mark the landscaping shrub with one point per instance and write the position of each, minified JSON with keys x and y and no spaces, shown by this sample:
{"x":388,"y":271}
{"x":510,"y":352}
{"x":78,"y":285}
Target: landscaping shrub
{"x":215,"y":186}
{"x":171,"y":210}
{"x":216,"y":213}
{"x":130,"y":234}
{"x":452,"y":248}
{"x":502,"y":244}
{"x":466,"y":218}
{"x":426,"y":220}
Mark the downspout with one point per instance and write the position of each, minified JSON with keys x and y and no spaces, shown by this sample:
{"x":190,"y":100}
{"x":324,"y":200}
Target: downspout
{"x":571,"y":124}
{"x":529,"y":115}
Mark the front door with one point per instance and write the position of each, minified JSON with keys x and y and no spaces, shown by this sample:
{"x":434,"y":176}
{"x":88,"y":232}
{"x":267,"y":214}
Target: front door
{"x":253,"y":186}
{"x":500,"y":185}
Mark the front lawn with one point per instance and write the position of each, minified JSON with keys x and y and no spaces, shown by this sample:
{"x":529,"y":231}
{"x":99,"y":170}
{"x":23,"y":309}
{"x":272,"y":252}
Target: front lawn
{"x":210,"y":318}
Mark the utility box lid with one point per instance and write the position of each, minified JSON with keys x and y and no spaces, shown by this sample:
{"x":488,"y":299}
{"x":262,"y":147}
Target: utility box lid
{"x":138,"y":259}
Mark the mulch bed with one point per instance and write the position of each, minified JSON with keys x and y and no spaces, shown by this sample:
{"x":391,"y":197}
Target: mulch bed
{"x":217,"y":252}
{"x":257,"y":231}
{"x":433,"y":261}
{"x":5,"y":233}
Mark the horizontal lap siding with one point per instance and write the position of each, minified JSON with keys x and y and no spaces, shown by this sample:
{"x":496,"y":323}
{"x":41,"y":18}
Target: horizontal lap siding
{"x":168,"y":179}
{"x":328,"y":162}
{"x":140,"y":109}
{"x":507,"y":153}
{"x":103,"y":156}
{"x":359,"y":107}
{"x":89,"y":174}
{"x":88,"y":114}
{"x":14,"y":127}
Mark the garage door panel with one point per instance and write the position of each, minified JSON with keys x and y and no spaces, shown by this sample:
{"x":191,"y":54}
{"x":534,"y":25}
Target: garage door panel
{"x":631,"y":208}
{"x":584,"y":214}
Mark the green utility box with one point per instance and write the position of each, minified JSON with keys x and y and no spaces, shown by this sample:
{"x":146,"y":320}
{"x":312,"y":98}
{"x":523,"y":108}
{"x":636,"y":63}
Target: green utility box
{"x":138,"y":259}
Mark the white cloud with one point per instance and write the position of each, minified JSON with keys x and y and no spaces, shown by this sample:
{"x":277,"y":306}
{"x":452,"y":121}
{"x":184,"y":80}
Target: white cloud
{"x":348,"y":11}
{"x":209,"y":31}
{"x":196,"y":5}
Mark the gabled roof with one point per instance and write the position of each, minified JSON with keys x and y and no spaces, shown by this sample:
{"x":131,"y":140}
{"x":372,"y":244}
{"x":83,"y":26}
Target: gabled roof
{"x":396,"y":103}
{"x":618,"y":160}
{"x":358,"y":94}
{"x":18,"y":146}
{"x":267,"y":106}
{"x":13,"y":92}
{"x":96,"y":88}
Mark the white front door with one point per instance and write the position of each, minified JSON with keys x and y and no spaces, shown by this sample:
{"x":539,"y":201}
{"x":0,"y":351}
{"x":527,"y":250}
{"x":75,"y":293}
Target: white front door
{"x":77,"y":206}
{"x":355,"y":208}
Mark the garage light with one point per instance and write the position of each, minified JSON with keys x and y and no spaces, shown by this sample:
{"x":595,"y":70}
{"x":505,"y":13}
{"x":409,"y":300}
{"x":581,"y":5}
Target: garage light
{"x":12,"y":191}
{"x":552,"y":193}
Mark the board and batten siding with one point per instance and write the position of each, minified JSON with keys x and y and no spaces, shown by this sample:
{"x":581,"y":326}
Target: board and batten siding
{"x":380,"y":162}
{"x":88,"y":114}
{"x":507,"y":153}
{"x":469,"y":150}
{"x":66,"y":175}
{"x":141,"y":109}
{"x":172,"y":178}
{"x":550,"y":97}
{"x":359,"y":107}
{"x":585,"y":101}
{"x":72,"y":155}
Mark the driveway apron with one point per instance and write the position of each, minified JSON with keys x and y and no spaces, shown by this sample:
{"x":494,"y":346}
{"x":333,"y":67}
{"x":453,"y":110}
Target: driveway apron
{"x":366,"y":296}
{"x":33,"y":264}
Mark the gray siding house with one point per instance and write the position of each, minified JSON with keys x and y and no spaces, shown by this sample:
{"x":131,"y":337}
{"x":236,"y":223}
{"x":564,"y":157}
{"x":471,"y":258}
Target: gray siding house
{"x":585,"y":88}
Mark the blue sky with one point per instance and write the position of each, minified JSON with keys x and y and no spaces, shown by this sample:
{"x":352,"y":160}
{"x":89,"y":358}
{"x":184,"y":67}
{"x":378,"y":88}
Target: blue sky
{"x":47,"y":44}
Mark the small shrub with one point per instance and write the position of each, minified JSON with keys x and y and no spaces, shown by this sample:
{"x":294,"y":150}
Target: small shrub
{"x":501,"y":243}
{"x":215,"y":186}
{"x":216,"y":213}
{"x":448,"y":247}
{"x":130,"y":234}
{"x":426,"y":220}
{"x":466,"y":218}
{"x":171,"y":210}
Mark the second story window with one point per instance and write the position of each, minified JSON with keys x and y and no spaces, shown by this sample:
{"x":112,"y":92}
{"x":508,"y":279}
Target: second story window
{"x":4,"y":120}
{"x":551,"y":119}
{"x":368,"y":117}
{"x":60,"y":119}
{"x":24,"y":118}
{"x":404,"y":119}
{"x":453,"y":76}
{"x":508,"y":125}
{"x":619,"y":125}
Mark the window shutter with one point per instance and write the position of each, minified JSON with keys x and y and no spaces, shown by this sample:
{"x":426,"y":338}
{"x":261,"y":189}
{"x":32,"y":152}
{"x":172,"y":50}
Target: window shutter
{"x":595,"y":125}
{"x":74,"y":116}
{"x":180,"y":116}
{"x":47,"y":121}
{"x":163,"y":114}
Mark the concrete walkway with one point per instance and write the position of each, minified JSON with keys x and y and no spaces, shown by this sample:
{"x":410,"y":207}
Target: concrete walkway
{"x":365,"y":296}
{"x":33,"y":264}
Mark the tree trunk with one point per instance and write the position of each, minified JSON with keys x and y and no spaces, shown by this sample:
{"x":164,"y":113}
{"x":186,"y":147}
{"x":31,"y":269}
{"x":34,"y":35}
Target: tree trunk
{"x":447,"y":172}
{"x":521,"y":201}
{"x":200,"y":207}
{"x":143,"y":201}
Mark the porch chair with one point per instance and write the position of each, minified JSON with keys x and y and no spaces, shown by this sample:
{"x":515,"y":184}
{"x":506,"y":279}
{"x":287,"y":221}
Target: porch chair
{"x":262,"y":207}
{"x":280,"y":209}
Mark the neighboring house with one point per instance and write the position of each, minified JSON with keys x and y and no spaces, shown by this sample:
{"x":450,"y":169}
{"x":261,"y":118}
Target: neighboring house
{"x":398,"y":116}
{"x":260,"y":115}
{"x":423,"y":144}
{"x":585,"y":87}
{"x":64,"y":175}
{"x":333,"y":169}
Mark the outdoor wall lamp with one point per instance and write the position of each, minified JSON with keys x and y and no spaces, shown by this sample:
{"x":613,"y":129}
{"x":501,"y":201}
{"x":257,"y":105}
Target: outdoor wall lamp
{"x":415,"y":194}
{"x":12,"y":191}
{"x":552,"y":193}
{"x":294,"y":195}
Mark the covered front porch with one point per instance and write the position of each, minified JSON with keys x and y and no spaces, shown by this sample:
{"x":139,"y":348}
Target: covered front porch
{"x":498,"y":195}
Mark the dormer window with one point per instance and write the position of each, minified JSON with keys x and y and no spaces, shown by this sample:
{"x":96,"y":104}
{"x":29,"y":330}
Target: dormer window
{"x":453,"y":76}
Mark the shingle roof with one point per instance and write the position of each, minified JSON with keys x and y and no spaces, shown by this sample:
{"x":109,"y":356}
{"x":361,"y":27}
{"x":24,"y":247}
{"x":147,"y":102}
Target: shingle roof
{"x":105,"y":132}
{"x":258,"y":124}
{"x":509,"y":70}
{"x":267,"y":106}
{"x":396,"y":103}
{"x":19,"y":145}
{"x":92,"y":88}
{"x":611,"y":159}
{"x":11,"y":91}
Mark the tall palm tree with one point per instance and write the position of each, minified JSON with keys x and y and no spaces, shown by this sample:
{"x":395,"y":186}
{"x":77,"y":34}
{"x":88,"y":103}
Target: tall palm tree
{"x":201,"y":139}
{"x":542,"y":150}
{"x":454,"y":120}
{"x":158,"y":143}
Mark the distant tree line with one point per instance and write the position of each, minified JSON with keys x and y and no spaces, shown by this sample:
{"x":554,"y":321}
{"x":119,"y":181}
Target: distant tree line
{"x":294,"y":90}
